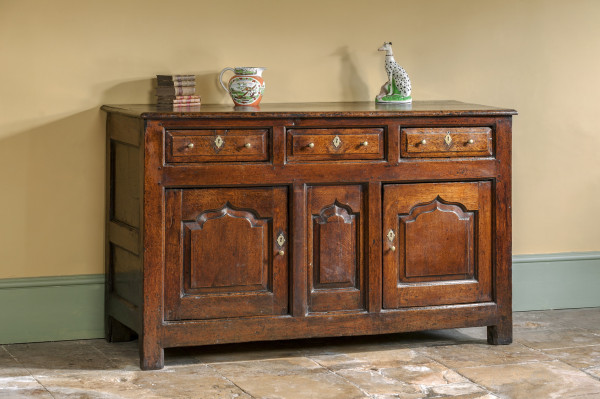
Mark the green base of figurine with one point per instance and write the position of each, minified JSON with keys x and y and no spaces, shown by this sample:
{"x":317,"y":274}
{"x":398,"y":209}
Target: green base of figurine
{"x":394,"y":98}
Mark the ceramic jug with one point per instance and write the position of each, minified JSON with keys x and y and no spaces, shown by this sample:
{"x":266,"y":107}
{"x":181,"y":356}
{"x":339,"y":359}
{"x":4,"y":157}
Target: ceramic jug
{"x":246,"y":87}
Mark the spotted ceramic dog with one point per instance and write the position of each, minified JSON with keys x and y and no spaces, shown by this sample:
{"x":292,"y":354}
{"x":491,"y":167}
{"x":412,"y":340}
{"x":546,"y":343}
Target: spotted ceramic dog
{"x":397,"y":89}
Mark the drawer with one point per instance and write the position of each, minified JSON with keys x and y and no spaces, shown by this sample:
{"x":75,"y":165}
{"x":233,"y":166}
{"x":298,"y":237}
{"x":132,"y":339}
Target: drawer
{"x":217,"y":145}
{"x":441,"y":142}
{"x":314,"y":144}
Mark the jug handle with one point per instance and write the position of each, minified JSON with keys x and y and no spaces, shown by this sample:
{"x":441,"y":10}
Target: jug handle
{"x":221,"y":78}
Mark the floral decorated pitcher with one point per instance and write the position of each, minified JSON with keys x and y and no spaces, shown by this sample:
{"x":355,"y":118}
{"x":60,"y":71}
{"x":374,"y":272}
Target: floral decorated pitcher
{"x":246,"y":87}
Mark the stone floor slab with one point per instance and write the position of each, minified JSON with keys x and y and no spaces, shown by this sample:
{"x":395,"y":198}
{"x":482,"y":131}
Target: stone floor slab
{"x":593,"y":371}
{"x":471,"y":355}
{"x":246,"y":351}
{"x":459,"y":390}
{"x":283,"y":366}
{"x":287,"y":378}
{"x":188,"y":382}
{"x":171,"y":382}
{"x":580,"y":357}
{"x":427,"y":374}
{"x":546,"y":319}
{"x":301,"y":386}
{"x":372,"y":359}
{"x":552,"y":380}
{"x":22,"y":387}
{"x":25,"y":393}
{"x":477,"y":334}
{"x":9,"y":367}
{"x":373,"y":382}
{"x":121,"y":355}
{"x":557,"y":338}
{"x":588,"y":318}
{"x":57,"y":356}
{"x":479,"y":395}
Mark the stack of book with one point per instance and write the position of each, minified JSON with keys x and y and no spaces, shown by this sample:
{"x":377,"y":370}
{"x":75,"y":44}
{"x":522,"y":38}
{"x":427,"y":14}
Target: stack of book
{"x":176,"y":91}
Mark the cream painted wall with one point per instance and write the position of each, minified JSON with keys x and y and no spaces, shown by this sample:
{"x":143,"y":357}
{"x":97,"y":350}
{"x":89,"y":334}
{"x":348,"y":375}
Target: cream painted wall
{"x":60,"y":60}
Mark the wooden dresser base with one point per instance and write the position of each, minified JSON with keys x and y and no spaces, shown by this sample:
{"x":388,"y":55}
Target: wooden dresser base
{"x":306,"y":220}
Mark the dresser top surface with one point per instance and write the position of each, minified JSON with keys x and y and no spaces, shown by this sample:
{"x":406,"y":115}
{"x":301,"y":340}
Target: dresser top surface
{"x":311,"y":110}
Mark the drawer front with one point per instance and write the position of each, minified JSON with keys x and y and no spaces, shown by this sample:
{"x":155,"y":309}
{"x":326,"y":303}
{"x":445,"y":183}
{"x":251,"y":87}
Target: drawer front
{"x":217,"y":145}
{"x":335,"y":144}
{"x":446,"y":142}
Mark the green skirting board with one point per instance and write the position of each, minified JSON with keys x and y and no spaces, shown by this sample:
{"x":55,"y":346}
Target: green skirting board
{"x":71,"y":307}
{"x":556,"y":281}
{"x":51,"y":308}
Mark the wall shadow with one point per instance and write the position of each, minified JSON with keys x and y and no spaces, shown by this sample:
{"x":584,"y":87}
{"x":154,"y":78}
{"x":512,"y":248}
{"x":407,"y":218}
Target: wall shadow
{"x":53,"y":177}
{"x":53,"y":204}
{"x":207,"y":87}
{"x":353,"y":86}
{"x":141,"y":91}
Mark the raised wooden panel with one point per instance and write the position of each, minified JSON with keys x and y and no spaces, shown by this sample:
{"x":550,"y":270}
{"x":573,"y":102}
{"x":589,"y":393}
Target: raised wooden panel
{"x":437,"y":244}
{"x":125,"y":281}
{"x":335,"y":248}
{"x":125,"y":190}
{"x":334,"y":244}
{"x":225,"y":251}
{"x":124,"y":129}
{"x":437,"y":240}
{"x":223,"y":255}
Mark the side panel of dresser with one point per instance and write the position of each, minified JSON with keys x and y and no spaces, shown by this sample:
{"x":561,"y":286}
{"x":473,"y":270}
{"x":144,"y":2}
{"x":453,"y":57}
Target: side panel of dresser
{"x":501,"y":332}
{"x":124,"y":226}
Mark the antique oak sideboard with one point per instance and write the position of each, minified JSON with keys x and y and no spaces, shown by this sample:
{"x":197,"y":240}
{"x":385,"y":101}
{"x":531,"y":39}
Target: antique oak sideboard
{"x":306,"y":220}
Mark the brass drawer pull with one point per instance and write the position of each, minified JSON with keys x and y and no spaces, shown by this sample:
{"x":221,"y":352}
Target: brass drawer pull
{"x":423,"y":142}
{"x":393,"y":248}
{"x":471,"y":141}
{"x":281,"y":253}
{"x":190,"y":145}
{"x":311,"y":145}
{"x":247,"y":145}
{"x":364,"y":143}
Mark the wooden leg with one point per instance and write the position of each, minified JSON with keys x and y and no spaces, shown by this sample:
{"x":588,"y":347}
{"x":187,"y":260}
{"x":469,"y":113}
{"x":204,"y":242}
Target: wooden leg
{"x":152,"y":356}
{"x":501,"y":333}
{"x":115,"y":331}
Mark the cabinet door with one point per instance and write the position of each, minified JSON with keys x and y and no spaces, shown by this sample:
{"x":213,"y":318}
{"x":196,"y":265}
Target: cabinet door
{"x":437,"y":244}
{"x":336,"y":278}
{"x":226,"y":253}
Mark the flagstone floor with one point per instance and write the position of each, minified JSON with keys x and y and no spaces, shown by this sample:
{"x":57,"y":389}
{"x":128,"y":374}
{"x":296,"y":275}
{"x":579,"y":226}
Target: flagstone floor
{"x":555,"y":354}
